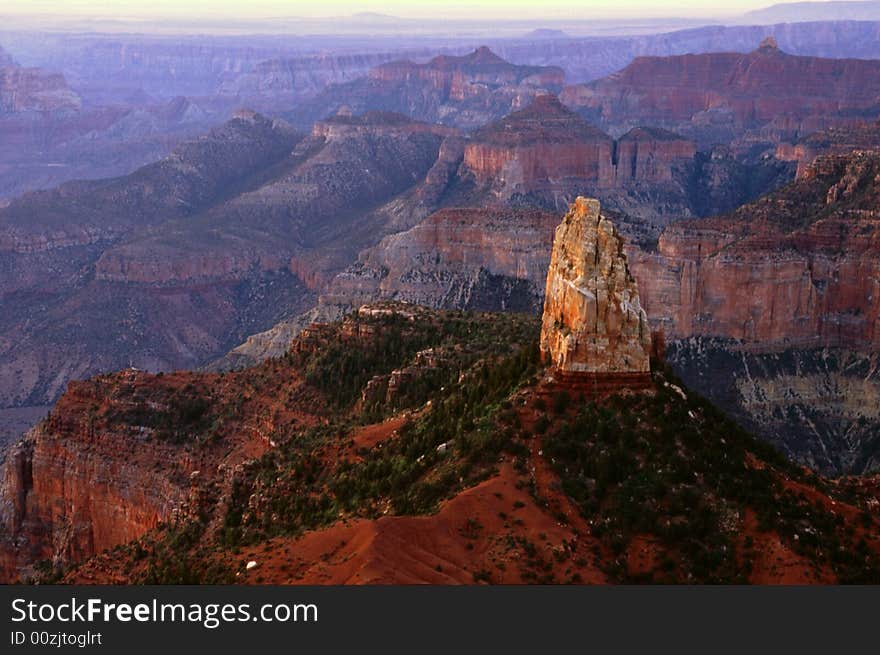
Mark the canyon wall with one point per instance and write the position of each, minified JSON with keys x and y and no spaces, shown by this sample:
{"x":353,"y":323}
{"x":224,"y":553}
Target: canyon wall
{"x":779,"y":272}
{"x":173,"y":265}
{"x":33,"y":89}
{"x":791,"y":277}
{"x":678,"y":88}
{"x":545,"y":143}
{"x":74,"y":488}
{"x":766,"y":96}
{"x":466,"y":91}
{"x":118,"y":455}
{"x":473,"y":258}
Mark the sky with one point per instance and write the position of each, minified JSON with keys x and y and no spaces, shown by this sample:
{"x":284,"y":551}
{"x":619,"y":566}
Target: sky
{"x":581,"y":9}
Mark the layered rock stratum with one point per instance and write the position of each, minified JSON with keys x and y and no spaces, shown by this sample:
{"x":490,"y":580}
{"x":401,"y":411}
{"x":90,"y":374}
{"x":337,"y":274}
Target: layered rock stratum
{"x":404,"y":445}
{"x":593,"y":321}
{"x":466,"y":91}
{"x":546,"y":154}
{"x":174,"y":264}
{"x":33,"y":89}
{"x":718,"y":95}
{"x":748,"y":301}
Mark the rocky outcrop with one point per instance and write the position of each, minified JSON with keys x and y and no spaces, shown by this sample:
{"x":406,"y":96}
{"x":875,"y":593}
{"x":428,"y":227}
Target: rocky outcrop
{"x":466,"y":91}
{"x":175,"y":264}
{"x":120,"y":454}
{"x":475,"y":258}
{"x":797,"y":268}
{"x":593,"y":321}
{"x":724,"y":93}
{"x":538,"y":144}
{"x":67,"y":491}
{"x":840,"y":140}
{"x":546,"y":155}
{"x":34,"y":90}
{"x":793,"y":273}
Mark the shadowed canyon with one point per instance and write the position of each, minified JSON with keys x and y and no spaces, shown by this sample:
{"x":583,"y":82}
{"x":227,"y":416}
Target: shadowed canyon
{"x":535,"y":308}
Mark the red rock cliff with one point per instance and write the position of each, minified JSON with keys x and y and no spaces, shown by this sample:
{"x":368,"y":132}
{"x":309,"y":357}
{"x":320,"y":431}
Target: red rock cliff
{"x":757,"y":86}
{"x":75,"y":488}
{"x":647,"y":154}
{"x":536,"y":147}
{"x":800,"y":267}
{"x":121,"y":453}
{"x":472,"y":75}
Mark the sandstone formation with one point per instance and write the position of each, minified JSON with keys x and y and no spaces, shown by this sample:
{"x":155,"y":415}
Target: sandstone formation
{"x":797,"y":268}
{"x":176,"y":263}
{"x":537,"y":144}
{"x":719,"y":95}
{"x":547,"y":145}
{"x":186,"y":477}
{"x":593,"y":321}
{"x":34,"y":90}
{"x":838,"y":141}
{"x":466,"y":91}
{"x":546,"y":154}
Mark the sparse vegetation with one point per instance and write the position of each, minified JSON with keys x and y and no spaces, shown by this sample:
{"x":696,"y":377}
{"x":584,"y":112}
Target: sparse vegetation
{"x":654,"y":468}
{"x":684,"y":475}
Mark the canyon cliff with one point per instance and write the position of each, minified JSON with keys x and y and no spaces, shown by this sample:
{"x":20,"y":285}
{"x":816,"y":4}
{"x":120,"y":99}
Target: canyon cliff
{"x":796,"y":268}
{"x":547,"y":145}
{"x":774,"y":311}
{"x":545,"y":155}
{"x":593,"y":321}
{"x":835,"y":141}
{"x":768,"y":93}
{"x":745,"y":300}
{"x":33,"y":89}
{"x":444,"y":456}
{"x":174,"y":264}
{"x":465,"y":91}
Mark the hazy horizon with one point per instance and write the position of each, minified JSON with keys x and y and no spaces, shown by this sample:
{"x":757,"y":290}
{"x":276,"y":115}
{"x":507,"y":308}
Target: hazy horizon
{"x":483,"y":9}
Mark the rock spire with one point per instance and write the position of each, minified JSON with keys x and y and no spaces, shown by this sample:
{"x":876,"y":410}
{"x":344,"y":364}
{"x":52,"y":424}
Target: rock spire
{"x":593,"y":321}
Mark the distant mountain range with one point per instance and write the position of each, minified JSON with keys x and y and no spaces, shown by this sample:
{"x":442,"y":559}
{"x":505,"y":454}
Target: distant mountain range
{"x":800,"y":12}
